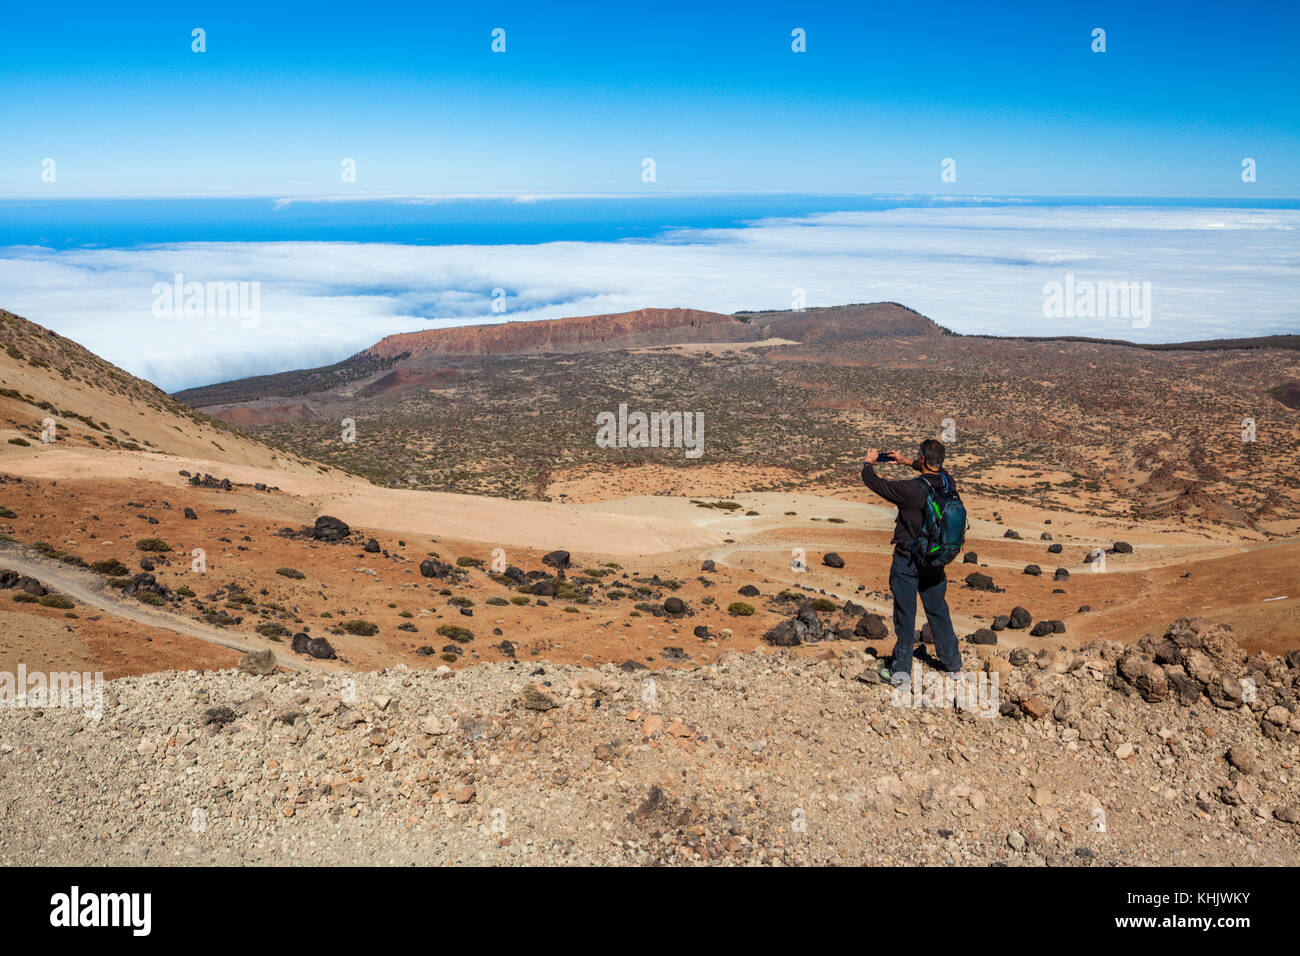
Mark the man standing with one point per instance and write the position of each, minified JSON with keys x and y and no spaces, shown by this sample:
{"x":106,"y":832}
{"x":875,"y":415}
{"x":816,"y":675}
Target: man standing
{"x":906,"y":579}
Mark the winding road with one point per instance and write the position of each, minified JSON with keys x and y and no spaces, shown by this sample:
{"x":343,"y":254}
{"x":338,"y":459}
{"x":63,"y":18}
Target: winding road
{"x":89,"y":589}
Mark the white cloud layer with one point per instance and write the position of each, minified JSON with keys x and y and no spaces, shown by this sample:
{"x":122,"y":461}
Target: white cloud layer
{"x":1213,"y":273}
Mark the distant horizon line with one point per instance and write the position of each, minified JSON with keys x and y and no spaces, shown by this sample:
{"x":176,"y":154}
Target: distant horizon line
{"x":530,"y":196}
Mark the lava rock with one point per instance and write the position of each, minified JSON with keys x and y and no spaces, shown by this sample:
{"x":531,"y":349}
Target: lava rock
{"x":329,"y":528}
{"x":430,"y":568}
{"x":832,"y":560}
{"x":557,"y":559}
{"x":320,"y":649}
{"x":872,"y":627}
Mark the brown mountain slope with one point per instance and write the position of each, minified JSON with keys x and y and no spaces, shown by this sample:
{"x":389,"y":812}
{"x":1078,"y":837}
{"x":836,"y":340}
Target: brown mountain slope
{"x":846,"y":323}
{"x":93,"y":402}
{"x":577,"y":333}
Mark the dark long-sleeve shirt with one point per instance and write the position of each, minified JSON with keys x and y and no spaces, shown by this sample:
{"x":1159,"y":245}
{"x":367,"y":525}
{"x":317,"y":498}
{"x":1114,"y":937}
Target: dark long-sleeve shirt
{"x":910,"y":498}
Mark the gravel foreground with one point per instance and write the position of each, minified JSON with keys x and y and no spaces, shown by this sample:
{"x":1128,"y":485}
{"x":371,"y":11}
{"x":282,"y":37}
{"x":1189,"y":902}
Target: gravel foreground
{"x":1090,"y":758}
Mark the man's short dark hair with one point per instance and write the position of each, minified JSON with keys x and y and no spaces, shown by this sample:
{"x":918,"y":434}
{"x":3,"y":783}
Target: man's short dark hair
{"x":932,"y":451}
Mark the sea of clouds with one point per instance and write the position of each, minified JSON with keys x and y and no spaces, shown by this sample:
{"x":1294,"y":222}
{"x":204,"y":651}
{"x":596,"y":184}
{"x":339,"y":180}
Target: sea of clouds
{"x":1213,"y":273}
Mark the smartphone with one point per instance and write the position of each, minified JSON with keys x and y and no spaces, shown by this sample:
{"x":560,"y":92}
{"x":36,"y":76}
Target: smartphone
{"x":884,"y":456}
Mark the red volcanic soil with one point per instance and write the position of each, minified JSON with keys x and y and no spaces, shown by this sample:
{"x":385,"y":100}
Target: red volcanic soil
{"x":578,"y":333}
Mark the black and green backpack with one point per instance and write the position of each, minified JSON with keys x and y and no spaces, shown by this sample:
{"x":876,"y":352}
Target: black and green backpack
{"x":943,"y":525}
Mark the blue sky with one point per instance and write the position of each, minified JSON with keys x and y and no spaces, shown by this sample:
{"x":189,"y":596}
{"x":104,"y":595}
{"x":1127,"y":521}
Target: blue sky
{"x":713,"y":93}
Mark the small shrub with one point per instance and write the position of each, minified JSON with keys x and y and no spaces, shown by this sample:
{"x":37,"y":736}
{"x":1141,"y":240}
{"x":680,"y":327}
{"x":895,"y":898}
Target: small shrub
{"x":20,"y":441}
{"x":460,"y":635}
{"x":496,"y":601}
{"x":740,"y":609}
{"x":156,"y":545}
{"x":519,"y":599}
{"x":111,"y":567}
{"x":56,"y":600}
{"x":290,"y":573}
{"x":22,"y":597}
{"x":272,"y":629}
{"x":148,"y":597}
{"x":361,"y":628}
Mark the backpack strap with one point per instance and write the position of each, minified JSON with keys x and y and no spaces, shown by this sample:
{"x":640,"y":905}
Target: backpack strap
{"x":930,"y":487}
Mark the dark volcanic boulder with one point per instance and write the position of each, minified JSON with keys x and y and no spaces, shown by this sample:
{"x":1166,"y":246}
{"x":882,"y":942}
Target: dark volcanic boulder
{"x":329,"y":528}
{"x":871,"y":627}
{"x":927,"y":633}
{"x":430,"y":568}
{"x":146,"y":564}
{"x":557,"y":559}
{"x":708,"y":566}
{"x":1020,"y":618}
{"x":31,"y":586}
{"x":1122,"y":547}
{"x":1033,"y":569}
{"x":1045,"y":536}
{"x":1011,"y":534}
{"x":544,"y":588}
{"x":804,"y":628}
{"x":301,"y":643}
{"x":371,"y":546}
{"x":832,"y":560}
{"x":1060,"y":574}
{"x":984,"y":636}
{"x":320,"y":648}
{"x":1000,"y":622}
{"x":675,"y":607}
{"x":145,"y":583}
{"x":1041,"y":629}
{"x":1054,"y":549}
{"x":979,"y":581}
{"x":970,"y":557}
{"x":1058,"y":627}
{"x":748,"y":591}
{"x":8,"y":578}
{"x":190,"y":515}
{"x":702,"y":632}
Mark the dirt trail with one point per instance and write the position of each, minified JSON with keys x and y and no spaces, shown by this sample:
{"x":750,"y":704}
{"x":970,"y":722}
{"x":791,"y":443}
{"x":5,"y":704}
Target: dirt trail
{"x":89,"y":590}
